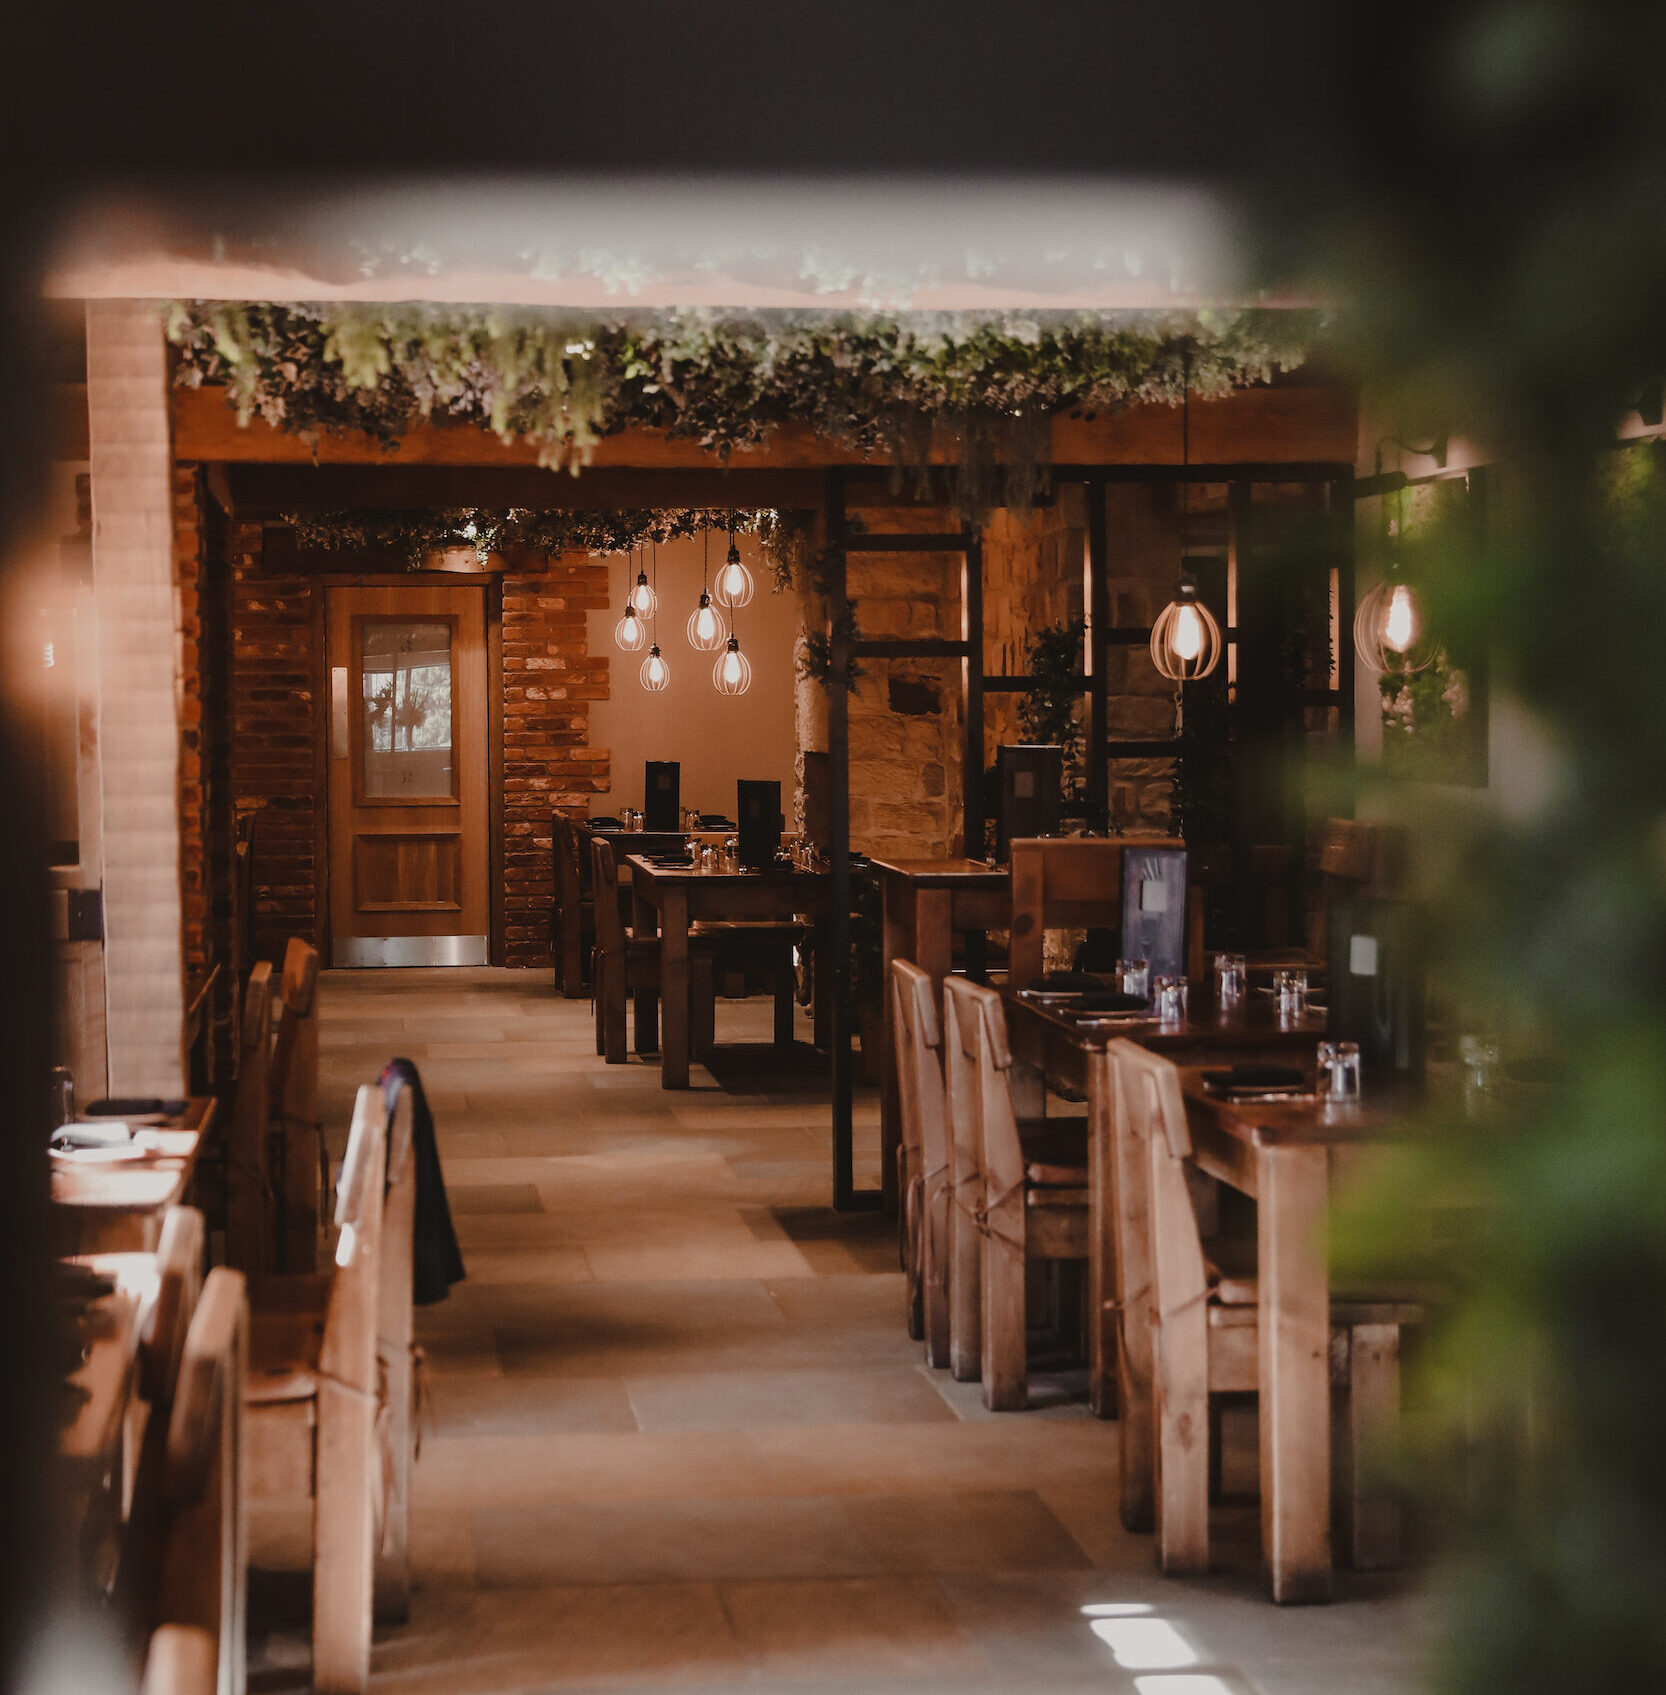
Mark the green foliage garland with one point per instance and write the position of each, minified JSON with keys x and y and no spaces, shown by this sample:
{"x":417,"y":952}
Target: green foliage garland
{"x":873,"y":383}
{"x":1051,"y":708}
{"x":782,"y":535}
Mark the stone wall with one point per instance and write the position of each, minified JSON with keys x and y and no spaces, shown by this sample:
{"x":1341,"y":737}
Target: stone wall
{"x":190,"y":569}
{"x":550,"y":680}
{"x":906,"y":730}
{"x":1142,"y":564}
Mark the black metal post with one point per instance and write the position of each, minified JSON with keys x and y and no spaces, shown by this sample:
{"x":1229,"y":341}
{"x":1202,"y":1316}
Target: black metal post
{"x":1099,"y":625}
{"x":971,"y":693}
{"x":838,"y":758}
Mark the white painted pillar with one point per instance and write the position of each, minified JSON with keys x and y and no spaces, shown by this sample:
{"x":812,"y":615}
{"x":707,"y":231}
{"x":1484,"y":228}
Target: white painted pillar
{"x":133,"y":587}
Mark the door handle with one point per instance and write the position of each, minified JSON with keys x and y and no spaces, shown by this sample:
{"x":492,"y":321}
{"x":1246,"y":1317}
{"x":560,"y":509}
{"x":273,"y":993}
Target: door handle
{"x":339,"y":738}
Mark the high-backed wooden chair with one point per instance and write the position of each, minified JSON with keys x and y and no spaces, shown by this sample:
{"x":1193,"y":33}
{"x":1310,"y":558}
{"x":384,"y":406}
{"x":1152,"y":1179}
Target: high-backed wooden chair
{"x":182,"y":1659}
{"x":202,"y":1574}
{"x":1026,"y":1199}
{"x":1066,"y":882}
{"x":628,"y":964}
{"x":294,"y":1103}
{"x":179,"y":1283}
{"x":1204,"y":1339}
{"x":923,"y":1156}
{"x":332,"y":1376}
{"x":250,"y":1225}
{"x":573,"y":928}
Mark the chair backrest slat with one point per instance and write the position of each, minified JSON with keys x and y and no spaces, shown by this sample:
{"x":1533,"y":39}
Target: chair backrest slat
{"x":982,"y":1028}
{"x":919,"y":1054}
{"x":249,"y":1183}
{"x":348,"y":1354}
{"x":179,"y":1267}
{"x":204,"y":1564}
{"x":610,"y":928}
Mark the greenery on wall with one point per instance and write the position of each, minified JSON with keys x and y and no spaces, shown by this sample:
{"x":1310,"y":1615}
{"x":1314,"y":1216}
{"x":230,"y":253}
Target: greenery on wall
{"x":1050,"y":710}
{"x":874,"y":383}
{"x":416,"y":534}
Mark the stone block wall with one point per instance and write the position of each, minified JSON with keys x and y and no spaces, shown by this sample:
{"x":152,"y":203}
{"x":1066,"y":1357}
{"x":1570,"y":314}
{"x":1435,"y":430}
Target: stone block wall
{"x":550,"y":680}
{"x":906,"y":732}
{"x":190,"y":565}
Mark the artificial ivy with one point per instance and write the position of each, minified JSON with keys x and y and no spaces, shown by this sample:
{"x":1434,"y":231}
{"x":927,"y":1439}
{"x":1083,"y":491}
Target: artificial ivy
{"x":872,"y":383}
{"x":416,"y":534}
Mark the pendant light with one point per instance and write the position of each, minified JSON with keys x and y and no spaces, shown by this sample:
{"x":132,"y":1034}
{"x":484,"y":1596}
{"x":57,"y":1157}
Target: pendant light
{"x":655,"y":673}
{"x":644,"y":598}
{"x":1185,"y":640}
{"x":1389,"y":629}
{"x":706,"y":632}
{"x":734,"y":581}
{"x":631,"y":632}
{"x":732,"y":674}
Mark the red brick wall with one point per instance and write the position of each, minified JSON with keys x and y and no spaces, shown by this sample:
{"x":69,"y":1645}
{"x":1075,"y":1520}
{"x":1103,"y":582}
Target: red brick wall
{"x":277,"y":722}
{"x":193,"y":807}
{"x":549,"y":680}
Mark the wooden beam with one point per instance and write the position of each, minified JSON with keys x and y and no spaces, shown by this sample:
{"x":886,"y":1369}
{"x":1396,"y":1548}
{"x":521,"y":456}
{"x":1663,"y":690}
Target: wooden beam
{"x":270,"y":491}
{"x":1266,"y":425}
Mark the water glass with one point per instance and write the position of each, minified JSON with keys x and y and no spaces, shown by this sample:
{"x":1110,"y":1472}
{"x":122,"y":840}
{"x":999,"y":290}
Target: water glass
{"x":1479,"y":1059}
{"x":1338,"y":1071}
{"x":1169,"y":997}
{"x":1133,"y":977}
{"x":1290,"y":993}
{"x":1231,"y":979}
{"x":731,"y":853}
{"x":63,"y":1095}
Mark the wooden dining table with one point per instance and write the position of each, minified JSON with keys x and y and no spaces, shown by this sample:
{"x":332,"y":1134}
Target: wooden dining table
{"x":1285,"y":1154}
{"x":101,"y":1207}
{"x":1054,"y":1045}
{"x":925,"y":902}
{"x":674,"y":896}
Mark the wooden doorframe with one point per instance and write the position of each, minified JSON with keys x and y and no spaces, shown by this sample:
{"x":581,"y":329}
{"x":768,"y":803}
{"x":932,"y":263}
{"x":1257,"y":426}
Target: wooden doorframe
{"x":492,"y":587}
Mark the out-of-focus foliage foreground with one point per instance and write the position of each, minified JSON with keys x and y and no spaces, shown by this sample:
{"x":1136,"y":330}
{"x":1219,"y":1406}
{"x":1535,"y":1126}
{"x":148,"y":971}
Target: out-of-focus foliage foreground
{"x":1500,"y":237}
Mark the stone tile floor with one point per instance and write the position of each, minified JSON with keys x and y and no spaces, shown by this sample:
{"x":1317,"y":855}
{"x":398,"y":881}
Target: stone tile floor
{"x":679,"y":1436}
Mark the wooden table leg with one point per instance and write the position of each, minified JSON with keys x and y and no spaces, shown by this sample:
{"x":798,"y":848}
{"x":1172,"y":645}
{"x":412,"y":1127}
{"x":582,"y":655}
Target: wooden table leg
{"x":899,"y":943}
{"x":1293,"y":1196}
{"x":673,"y":979}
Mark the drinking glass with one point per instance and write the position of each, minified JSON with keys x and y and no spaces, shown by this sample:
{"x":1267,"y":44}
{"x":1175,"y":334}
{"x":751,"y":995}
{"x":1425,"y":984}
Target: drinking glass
{"x":1169,"y":996}
{"x":1133,"y":977}
{"x":1231,"y":978}
{"x":731,"y":853}
{"x":1290,"y":993}
{"x":1338,"y":1071}
{"x":63,"y":1095}
{"x":1479,"y":1058}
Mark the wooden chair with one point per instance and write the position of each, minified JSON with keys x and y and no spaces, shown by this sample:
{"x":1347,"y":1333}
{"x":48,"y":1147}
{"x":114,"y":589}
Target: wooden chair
{"x":1204,"y":1338}
{"x":1020,"y":1196}
{"x":923,"y":1157}
{"x":179,"y":1283}
{"x":293,"y":1082}
{"x":202,"y":1573}
{"x":250,"y":1226}
{"x":573,"y":916}
{"x":330,"y":1398}
{"x":182,"y":1660}
{"x":1063,"y":883}
{"x":628,"y":965}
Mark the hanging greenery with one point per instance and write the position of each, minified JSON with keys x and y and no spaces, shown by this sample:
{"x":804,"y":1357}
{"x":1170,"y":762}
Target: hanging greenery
{"x":875,"y":384}
{"x":1050,"y":710}
{"x":783,"y":536}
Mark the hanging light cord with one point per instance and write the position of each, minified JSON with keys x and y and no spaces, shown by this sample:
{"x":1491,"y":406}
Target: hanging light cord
{"x":1185,"y":507}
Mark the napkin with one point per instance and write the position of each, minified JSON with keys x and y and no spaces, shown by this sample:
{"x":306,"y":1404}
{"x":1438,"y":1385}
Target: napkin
{"x":107,"y":1133}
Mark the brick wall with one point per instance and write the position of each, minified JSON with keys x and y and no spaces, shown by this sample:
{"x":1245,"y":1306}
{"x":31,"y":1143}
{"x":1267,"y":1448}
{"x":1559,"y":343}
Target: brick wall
{"x":549,"y":682}
{"x":189,"y":564}
{"x":277,"y":722}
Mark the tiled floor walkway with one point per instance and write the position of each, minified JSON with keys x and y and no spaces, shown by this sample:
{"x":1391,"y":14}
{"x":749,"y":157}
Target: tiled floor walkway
{"x":680,"y":1437}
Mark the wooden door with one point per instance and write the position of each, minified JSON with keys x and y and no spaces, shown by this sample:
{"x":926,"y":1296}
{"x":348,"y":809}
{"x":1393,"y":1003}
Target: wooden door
{"x":407,"y":762}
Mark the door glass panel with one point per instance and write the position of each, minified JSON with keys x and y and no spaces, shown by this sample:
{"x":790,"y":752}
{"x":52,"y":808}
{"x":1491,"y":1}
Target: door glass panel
{"x":406,"y":666}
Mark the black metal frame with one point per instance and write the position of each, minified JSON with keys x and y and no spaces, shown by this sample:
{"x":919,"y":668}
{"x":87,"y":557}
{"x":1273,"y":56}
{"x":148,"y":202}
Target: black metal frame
{"x":974,"y":685}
